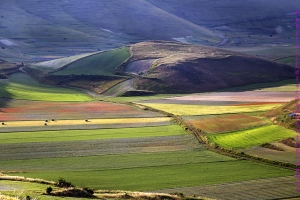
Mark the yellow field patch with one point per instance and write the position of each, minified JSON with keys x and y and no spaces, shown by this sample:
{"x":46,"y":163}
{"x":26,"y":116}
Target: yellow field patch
{"x":84,"y":122}
{"x":181,"y":109}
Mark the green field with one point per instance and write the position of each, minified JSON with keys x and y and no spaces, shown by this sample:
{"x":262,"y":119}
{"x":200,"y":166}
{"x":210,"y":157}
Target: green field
{"x":99,"y":64}
{"x":155,"y":177}
{"x":21,"y":86}
{"x":98,"y":134}
{"x":183,"y":109}
{"x":252,"y":137}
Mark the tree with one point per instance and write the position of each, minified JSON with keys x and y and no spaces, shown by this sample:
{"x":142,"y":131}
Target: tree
{"x":49,"y":190}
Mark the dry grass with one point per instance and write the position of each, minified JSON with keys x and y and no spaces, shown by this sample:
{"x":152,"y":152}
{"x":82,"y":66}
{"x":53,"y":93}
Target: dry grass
{"x":171,"y":52}
{"x":4,"y":197}
{"x":24,"y":179}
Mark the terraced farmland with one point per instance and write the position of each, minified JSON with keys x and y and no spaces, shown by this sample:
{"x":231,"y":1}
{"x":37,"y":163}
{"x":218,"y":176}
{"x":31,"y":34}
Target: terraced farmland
{"x":21,"y":86}
{"x":226,"y":123}
{"x":252,"y":137}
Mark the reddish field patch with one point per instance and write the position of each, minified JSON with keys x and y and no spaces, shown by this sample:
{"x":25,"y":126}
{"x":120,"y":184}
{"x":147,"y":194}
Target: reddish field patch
{"x":33,"y":110}
{"x":226,"y":123}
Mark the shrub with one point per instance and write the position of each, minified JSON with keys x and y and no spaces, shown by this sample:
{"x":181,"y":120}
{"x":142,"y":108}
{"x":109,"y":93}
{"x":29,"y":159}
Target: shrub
{"x":88,"y":190}
{"x":49,"y":190}
{"x":63,"y":183}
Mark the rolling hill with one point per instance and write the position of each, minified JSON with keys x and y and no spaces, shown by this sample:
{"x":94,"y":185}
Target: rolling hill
{"x":162,"y":67}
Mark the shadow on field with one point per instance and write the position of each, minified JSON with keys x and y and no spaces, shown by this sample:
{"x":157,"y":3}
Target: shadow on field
{"x":5,"y":97}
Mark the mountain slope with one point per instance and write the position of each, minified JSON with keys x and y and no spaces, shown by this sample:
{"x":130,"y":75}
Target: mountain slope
{"x":41,"y":29}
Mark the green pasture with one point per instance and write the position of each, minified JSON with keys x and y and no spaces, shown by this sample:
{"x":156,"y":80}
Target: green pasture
{"x":113,"y":161}
{"x":183,"y":109}
{"x":252,"y":137}
{"x":99,"y":64}
{"x":163,"y":177}
{"x":97,"y":134}
{"x":21,"y":86}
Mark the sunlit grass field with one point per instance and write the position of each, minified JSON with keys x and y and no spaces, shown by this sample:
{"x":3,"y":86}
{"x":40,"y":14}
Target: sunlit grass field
{"x":252,"y":137}
{"x":81,"y":135}
{"x":157,"y":176}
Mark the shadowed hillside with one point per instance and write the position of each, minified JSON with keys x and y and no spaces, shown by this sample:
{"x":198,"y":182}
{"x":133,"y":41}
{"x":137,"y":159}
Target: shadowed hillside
{"x":41,"y":29}
{"x":183,"y":68}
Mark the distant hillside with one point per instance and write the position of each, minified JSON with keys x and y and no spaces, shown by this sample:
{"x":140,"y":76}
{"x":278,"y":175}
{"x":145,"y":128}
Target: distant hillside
{"x":162,"y":67}
{"x":41,"y":29}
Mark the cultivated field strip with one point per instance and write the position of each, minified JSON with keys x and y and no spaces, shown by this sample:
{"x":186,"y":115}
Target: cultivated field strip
{"x":287,"y":154}
{"x":79,"y":122}
{"x":246,"y":96}
{"x":25,"y":151}
{"x":226,"y":123}
{"x":86,"y":126}
{"x":271,"y":188}
{"x":116,"y":161}
{"x":162,"y":173}
{"x":251,"y":137}
{"x":16,"y":110}
{"x":185,"y":109}
{"x":97,"y":134}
